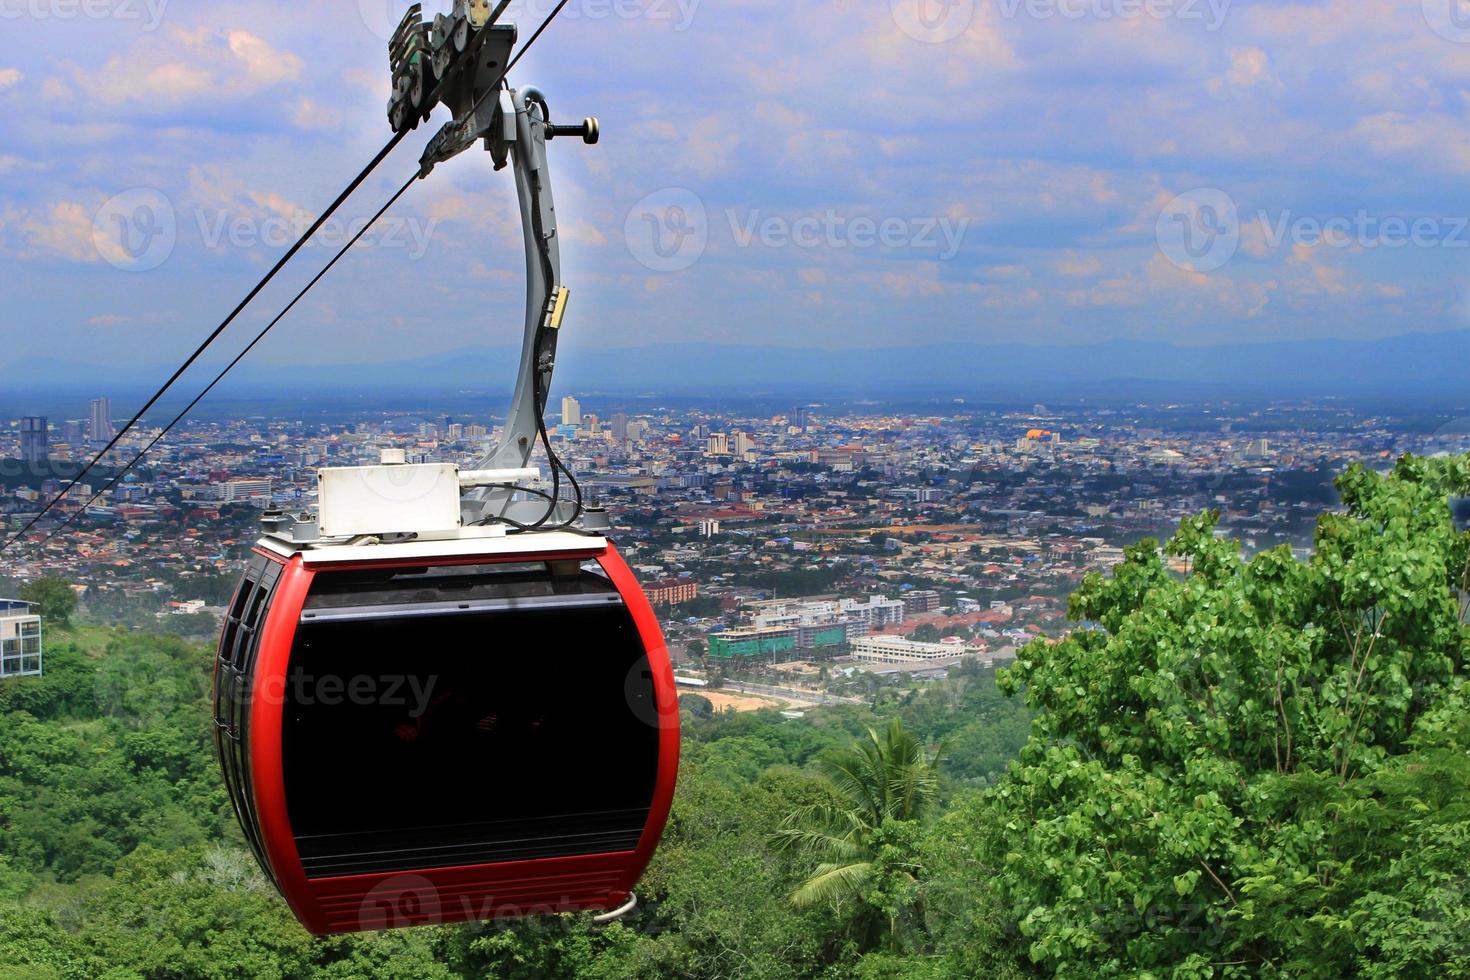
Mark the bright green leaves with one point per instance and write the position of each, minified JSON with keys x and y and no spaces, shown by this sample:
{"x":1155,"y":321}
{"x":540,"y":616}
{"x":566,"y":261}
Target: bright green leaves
{"x":1224,"y":774}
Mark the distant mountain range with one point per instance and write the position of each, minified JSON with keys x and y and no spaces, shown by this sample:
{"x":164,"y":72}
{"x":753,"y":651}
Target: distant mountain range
{"x":1410,"y":364}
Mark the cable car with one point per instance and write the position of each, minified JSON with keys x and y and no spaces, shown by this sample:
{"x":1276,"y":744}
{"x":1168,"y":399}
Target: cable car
{"x":461,"y":729}
{"x":443,"y":696}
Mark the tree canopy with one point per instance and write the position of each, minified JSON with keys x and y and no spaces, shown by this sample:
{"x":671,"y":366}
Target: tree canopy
{"x":1233,"y":767}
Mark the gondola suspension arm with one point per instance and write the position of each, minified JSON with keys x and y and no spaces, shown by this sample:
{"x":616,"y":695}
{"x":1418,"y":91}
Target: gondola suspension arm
{"x":515,"y":127}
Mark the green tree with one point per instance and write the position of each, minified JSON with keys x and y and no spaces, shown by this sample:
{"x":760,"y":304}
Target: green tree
{"x":862,"y":842}
{"x":1252,"y":768}
{"x":55,"y":597}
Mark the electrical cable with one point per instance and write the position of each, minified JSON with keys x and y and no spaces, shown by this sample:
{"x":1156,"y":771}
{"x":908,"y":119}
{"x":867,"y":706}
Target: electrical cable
{"x":300,"y":243}
{"x":213,"y":336}
{"x":539,"y":394}
{"x":388,"y":147}
{"x":229,"y":367}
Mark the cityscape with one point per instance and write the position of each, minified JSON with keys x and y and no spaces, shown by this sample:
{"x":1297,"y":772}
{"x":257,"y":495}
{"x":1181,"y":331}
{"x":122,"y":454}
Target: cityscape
{"x":801,"y":553}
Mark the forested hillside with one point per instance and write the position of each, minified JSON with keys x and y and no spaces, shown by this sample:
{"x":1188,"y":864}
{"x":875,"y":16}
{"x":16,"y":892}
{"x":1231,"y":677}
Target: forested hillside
{"x":1251,"y":768}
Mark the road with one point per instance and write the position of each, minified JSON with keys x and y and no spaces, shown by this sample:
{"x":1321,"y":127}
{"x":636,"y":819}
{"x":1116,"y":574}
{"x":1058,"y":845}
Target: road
{"x":789,"y":694}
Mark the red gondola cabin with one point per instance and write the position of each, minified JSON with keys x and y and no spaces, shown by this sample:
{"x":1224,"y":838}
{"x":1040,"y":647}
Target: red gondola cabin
{"x":451,"y":730}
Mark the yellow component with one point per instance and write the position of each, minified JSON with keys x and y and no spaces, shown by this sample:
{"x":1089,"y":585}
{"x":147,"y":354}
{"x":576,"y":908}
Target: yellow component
{"x":559,"y":308}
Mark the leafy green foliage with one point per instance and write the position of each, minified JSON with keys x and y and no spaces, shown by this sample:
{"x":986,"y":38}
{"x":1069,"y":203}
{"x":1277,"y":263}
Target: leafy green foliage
{"x":55,"y":598}
{"x":1245,"y":768}
{"x":1213,"y":769}
{"x":862,"y":841}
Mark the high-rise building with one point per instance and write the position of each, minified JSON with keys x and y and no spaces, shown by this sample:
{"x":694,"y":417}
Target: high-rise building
{"x":741,"y":443}
{"x":620,"y":426}
{"x":718,"y":444}
{"x":799,"y":418}
{"x":99,"y":425}
{"x":571,"y":411}
{"x":637,"y":430}
{"x":35,"y":439}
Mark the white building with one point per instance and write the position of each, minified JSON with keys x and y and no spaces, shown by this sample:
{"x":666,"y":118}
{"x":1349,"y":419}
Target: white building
{"x":20,"y":639}
{"x":571,"y":411}
{"x":877,"y":612}
{"x":897,"y":650}
{"x":232,"y":491}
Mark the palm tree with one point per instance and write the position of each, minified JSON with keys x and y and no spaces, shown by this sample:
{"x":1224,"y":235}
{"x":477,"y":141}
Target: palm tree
{"x":881,"y":781}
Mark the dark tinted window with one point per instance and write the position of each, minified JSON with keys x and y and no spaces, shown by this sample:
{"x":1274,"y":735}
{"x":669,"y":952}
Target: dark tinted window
{"x":418,"y":735}
{"x":239,"y":645}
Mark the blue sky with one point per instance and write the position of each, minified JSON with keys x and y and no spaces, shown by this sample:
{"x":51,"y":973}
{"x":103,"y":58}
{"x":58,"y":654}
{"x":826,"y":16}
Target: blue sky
{"x":828,"y":173}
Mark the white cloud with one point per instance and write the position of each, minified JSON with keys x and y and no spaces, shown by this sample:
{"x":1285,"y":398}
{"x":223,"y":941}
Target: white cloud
{"x":311,"y":114}
{"x":1077,"y":266}
{"x":64,"y":230}
{"x":181,"y":67}
{"x":9,"y":77}
{"x":1250,"y":68}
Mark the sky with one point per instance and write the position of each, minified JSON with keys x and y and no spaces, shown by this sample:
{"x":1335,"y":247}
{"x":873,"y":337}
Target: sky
{"x":807,"y":173}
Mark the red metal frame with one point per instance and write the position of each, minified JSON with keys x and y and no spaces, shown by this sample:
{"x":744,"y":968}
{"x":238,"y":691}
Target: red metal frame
{"x":440,"y":895}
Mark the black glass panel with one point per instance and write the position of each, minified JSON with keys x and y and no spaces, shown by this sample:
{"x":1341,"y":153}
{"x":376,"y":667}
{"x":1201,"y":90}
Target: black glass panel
{"x":239,"y":645}
{"x":469,"y":738}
